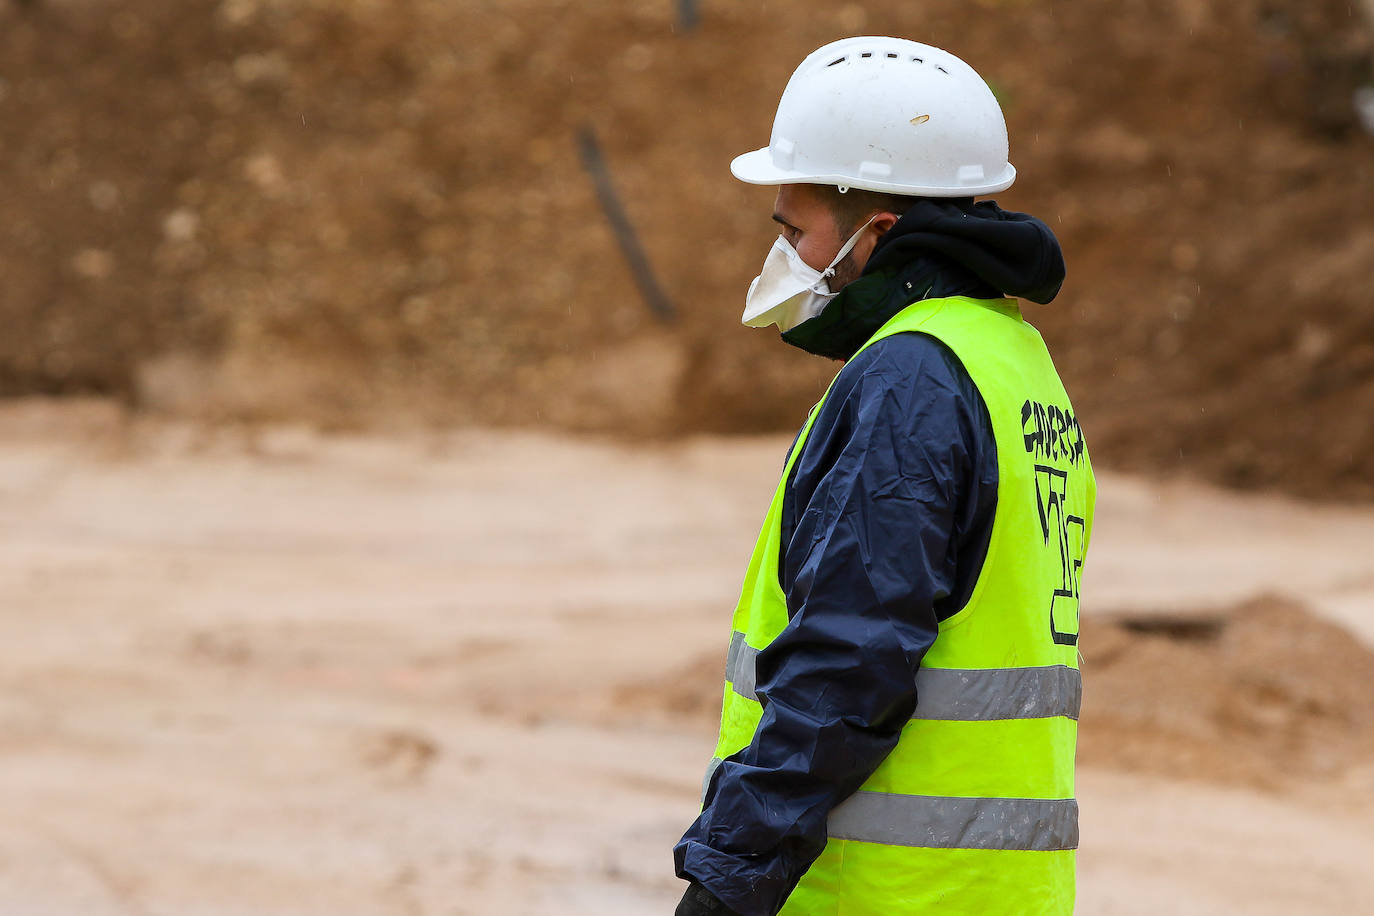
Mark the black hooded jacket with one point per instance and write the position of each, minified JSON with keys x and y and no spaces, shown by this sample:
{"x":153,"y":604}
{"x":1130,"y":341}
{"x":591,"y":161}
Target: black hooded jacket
{"x":885,"y":524}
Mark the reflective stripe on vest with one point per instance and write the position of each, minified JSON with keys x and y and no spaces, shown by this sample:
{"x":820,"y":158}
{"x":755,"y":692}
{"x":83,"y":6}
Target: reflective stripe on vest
{"x":950,"y":822}
{"x":956,"y":694}
{"x":937,"y":822}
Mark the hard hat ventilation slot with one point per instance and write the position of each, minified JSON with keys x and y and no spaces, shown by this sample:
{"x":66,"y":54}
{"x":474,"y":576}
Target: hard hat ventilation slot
{"x":942,"y":69}
{"x":892,"y":55}
{"x":838,"y":60}
{"x":866,"y":54}
{"x":918,"y":60}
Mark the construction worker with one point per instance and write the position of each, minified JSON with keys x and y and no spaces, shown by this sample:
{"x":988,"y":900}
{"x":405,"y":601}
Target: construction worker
{"x":902,"y":684}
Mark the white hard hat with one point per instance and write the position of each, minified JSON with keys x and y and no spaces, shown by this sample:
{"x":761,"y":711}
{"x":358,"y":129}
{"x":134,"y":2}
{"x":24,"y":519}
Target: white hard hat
{"x":885,"y":114}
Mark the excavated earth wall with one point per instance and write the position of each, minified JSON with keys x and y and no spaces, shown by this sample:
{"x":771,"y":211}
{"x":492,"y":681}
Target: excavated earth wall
{"x":357,"y":212}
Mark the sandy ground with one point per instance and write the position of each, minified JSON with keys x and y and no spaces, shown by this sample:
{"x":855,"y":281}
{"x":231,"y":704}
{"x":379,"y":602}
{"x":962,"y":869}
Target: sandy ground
{"x":278,"y":672}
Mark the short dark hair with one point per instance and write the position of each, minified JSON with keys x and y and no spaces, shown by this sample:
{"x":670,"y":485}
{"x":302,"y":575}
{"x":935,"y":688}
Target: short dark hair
{"x":854,"y":206}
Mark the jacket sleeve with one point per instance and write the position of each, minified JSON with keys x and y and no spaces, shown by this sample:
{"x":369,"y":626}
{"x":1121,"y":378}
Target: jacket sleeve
{"x":889,"y":487}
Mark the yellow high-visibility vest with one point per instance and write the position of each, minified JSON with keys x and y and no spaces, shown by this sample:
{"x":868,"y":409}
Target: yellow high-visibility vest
{"x":973,"y":812}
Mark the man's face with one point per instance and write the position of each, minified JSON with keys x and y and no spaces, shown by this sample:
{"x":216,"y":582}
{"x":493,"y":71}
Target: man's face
{"x":809,"y":226}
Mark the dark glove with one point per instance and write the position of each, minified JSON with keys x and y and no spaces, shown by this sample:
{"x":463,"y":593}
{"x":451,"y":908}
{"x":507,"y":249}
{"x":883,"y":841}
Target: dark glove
{"x":698,"y":901}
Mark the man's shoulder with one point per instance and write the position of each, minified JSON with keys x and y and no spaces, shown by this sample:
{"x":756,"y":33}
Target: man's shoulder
{"x":902,"y":361}
{"x":903,"y":402}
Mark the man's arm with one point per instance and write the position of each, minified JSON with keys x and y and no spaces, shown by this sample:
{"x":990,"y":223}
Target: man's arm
{"x":889,"y":487}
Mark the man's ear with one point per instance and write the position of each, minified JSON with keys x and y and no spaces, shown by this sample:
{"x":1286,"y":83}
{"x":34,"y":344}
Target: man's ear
{"x":880,"y":224}
{"x":884,"y":221}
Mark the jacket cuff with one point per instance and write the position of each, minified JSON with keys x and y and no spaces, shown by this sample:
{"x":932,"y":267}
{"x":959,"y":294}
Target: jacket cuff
{"x":719,"y":873}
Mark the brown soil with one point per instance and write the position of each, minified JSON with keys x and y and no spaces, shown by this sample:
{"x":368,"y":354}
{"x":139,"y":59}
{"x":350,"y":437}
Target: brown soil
{"x":344,"y":211}
{"x":270,"y":670}
{"x":1264,"y":693}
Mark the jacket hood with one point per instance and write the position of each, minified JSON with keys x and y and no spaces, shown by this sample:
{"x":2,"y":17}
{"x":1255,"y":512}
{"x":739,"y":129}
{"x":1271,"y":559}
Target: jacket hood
{"x":944,"y":247}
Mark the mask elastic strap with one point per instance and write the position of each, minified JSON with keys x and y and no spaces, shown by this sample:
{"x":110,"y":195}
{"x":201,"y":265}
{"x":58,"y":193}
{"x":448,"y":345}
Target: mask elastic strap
{"x":848,"y":247}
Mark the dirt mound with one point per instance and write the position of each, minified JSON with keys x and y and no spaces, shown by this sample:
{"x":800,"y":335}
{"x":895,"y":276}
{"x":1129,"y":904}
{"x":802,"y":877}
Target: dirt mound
{"x":1261,"y":694}
{"x":347,"y":210}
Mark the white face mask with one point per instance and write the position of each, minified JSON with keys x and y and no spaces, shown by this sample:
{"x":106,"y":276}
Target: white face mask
{"x":789,"y":291}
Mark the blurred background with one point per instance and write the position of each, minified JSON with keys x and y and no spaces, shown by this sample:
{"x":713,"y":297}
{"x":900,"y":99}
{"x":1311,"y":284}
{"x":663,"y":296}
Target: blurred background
{"x":343,"y":458}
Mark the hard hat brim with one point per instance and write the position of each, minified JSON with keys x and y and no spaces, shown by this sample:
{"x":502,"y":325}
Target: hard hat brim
{"x":757,"y":167}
